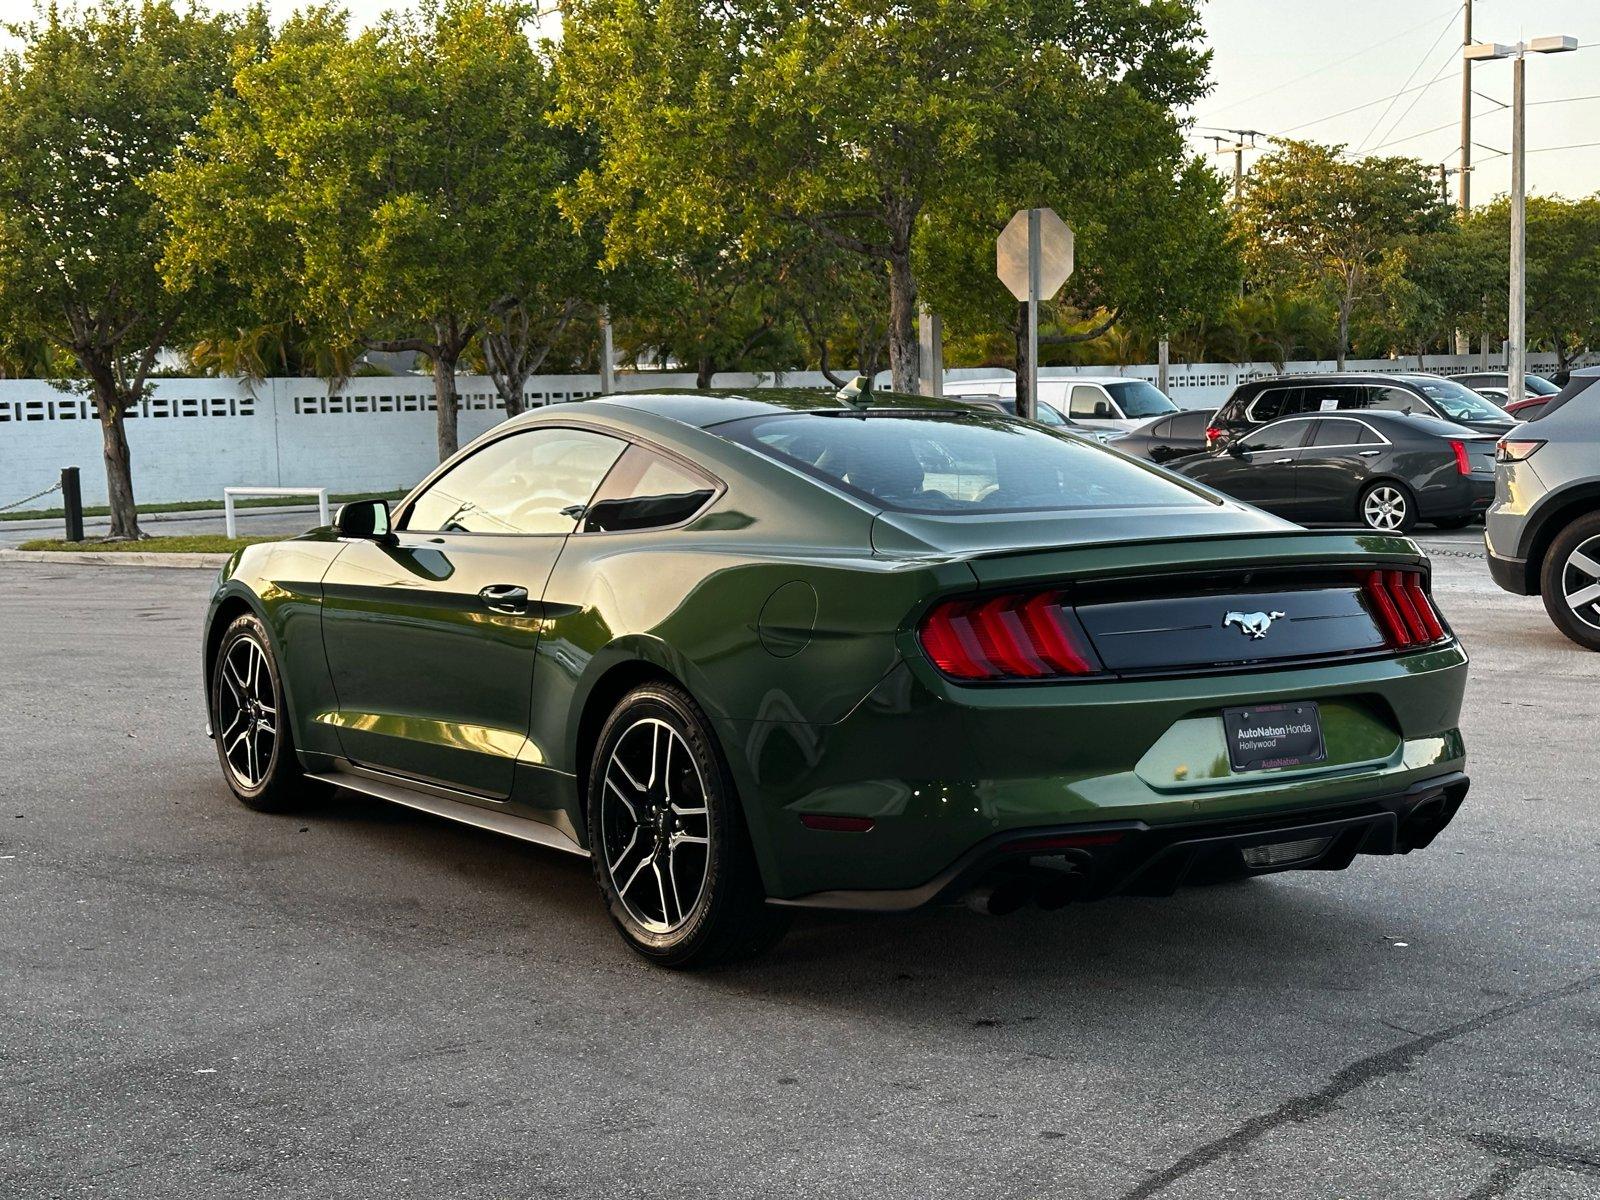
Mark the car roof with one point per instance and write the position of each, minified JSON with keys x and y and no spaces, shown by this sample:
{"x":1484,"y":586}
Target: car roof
{"x":1340,"y":377}
{"x":704,"y":408}
{"x":1384,"y":418}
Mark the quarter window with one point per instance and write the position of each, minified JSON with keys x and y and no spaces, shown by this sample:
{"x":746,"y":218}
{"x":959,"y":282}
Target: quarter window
{"x":646,"y":490}
{"x":1274,"y":403}
{"x":524,"y":483}
{"x":1392,"y":399}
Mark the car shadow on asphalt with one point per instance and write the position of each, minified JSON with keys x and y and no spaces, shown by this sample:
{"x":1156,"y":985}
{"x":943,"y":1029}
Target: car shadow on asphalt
{"x":1289,"y":932}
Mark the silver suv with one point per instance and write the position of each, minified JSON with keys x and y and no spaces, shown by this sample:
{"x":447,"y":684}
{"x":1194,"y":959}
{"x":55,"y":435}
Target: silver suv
{"x":1543,"y":529}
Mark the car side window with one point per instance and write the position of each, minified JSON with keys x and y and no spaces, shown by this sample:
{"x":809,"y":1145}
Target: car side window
{"x":1274,"y":403}
{"x":1161,"y":429}
{"x":1369,"y":436}
{"x":1284,"y":436}
{"x":1190,"y":424}
{"x":1337,"y":433}
{"x":523,"y":483}
{"x":1090,"y":403}
{"x":647,"y":490}
{"x":1393,"y":399}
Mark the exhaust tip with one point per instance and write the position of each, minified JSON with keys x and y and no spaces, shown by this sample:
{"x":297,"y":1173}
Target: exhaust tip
{"x":998,"y":899}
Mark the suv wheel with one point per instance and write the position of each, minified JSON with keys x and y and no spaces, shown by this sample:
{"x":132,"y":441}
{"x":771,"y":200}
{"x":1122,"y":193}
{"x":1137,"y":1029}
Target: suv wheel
{"x":670,"y":850}
{"x":1570,"y":581}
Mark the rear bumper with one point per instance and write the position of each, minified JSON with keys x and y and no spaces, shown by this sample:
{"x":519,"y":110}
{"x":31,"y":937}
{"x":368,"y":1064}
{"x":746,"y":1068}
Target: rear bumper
{"x":1093,"y":861}
{"x":1511,"y":574}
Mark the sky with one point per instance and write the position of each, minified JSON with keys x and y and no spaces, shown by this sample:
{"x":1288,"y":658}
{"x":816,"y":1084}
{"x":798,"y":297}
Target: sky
{"x":1288,"y":67}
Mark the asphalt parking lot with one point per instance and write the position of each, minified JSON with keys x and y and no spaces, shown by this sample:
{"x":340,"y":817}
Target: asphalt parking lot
{"x":196,"y":1000}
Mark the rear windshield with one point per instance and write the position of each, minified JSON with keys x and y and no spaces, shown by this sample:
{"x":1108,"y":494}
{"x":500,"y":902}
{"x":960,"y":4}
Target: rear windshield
{"x":969,"y":463}
{"x":1140,"y":399}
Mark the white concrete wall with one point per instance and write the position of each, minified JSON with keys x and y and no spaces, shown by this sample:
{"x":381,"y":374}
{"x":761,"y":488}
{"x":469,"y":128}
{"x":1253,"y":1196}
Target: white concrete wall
{"x":193,"y":437}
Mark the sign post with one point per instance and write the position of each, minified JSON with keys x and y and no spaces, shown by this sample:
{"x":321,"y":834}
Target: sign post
{"x":1033,"y":258}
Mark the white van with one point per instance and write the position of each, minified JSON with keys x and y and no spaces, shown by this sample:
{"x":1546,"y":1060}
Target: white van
{"x":1115,"y":403}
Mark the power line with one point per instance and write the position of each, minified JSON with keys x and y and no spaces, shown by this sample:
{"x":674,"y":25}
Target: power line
{"x":1336,"y":63}
{"x":1345,"y":112}
{"x":1421,"y":58}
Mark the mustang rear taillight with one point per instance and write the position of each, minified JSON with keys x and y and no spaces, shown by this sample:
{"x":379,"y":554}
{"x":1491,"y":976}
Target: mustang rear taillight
{"x":1404,"y":609}
{"x":1213,"y":435}
{"x":1013,"y":636}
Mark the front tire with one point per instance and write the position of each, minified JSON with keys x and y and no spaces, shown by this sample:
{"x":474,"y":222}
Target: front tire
{"x":1570,"y":581}
{"x":669,"y":847}
{"x":250,"y":723}
{"x":1388,"y":507}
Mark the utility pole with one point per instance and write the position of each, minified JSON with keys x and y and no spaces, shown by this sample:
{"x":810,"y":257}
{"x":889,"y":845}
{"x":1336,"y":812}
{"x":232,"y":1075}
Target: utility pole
{"x":1237,"y":148}
{"x":1466,"y":111}
{"x":1464,"y":171}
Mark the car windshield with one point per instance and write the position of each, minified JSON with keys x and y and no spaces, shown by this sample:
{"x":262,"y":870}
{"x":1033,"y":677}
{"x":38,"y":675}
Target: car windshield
{"x":951,"y":464}
{"x":1460,"y":403}
{"x":1048,"y":414}
{"x":1538,"y":385}
{"x":1139,"y":399}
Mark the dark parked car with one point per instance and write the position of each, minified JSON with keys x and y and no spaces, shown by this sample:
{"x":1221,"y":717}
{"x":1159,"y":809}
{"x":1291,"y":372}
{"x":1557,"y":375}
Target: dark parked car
{"x":1167,"y":439}
{"x":754,"y":652}
{"x":1386,"y":470}
{"x":1255,"y":403}
{"x":1495,"y":387}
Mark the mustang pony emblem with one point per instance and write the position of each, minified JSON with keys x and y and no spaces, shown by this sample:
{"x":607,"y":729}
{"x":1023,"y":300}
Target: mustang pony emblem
{"x":1254,"y":624}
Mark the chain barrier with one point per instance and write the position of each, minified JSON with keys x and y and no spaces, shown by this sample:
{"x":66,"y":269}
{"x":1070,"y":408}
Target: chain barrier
{"x":54,"y":487}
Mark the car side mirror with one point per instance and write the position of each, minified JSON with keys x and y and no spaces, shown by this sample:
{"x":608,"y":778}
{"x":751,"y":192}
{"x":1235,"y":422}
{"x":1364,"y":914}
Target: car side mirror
{"x":365,"y":519}
{"x":1234,"y":449}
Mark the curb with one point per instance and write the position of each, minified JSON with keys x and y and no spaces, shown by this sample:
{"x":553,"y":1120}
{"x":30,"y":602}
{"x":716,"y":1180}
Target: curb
{"x":127,"y":558}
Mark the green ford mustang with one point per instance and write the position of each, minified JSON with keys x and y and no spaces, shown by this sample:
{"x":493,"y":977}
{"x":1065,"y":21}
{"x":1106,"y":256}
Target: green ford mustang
{"x":754,"y":652}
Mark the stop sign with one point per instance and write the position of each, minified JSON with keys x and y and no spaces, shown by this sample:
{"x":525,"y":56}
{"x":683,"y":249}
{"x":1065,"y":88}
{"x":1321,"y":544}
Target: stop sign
{"x":1055,"y":253}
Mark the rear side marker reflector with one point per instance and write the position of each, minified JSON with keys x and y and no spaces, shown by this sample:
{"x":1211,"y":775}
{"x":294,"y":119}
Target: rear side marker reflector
{"x":836,"y":823}
{"x":1012,"y":636}
{"x":1404,"y":609}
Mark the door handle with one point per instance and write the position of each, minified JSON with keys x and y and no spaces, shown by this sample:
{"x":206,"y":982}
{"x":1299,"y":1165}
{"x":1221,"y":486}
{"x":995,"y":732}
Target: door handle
{"x":505,"y":597}
{"x":1370,"y":453}
{"x":1282,"y":462}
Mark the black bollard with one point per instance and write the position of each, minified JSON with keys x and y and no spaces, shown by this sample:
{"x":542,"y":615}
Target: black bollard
{"x":72,"y":502}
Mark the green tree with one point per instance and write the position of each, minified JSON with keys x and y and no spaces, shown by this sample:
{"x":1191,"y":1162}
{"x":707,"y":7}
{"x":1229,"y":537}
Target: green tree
{"x":1563,"y":298}
{"x":1311,"y":218}
{"x":395,"y":191}
{"x":854,"y":119}
{"x":91,"y":105}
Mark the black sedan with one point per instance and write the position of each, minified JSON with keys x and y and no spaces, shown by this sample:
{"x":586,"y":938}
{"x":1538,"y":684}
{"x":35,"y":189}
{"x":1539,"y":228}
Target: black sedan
{"x":1386,"y":470}
{"x":1169,"y":438}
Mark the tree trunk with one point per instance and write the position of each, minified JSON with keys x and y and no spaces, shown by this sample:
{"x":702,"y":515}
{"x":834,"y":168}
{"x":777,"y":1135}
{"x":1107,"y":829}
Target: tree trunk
{"x":1344,"y":330}
{"x":705,"y":370}
{"x":445,"y":400}
{"x":119,"y":477}
{"x":903,"y":350}
{"x":110,"y":406}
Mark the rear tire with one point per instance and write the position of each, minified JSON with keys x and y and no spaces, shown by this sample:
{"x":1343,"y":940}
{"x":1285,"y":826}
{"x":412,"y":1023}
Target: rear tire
{"x":250,"y":723}
{"x":1388,"y":507}
{"x":668,"y":842}
{"x":1569,"y":581}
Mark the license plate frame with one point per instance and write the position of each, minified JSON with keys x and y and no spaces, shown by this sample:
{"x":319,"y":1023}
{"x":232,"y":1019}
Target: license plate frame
{"x":1279,"y":736}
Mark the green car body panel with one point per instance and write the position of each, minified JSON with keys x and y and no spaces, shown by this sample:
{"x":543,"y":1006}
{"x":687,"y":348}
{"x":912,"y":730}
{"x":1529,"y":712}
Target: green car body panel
{"x":789,"y":610}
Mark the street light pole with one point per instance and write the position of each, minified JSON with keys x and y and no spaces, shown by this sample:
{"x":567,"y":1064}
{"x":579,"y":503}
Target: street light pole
{"x":1517,"y":320}
{"x":1517,"y":306}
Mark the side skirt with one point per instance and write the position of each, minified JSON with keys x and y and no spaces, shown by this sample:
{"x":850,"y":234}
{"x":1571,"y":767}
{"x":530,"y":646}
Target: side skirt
{"x":439,"y":804}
